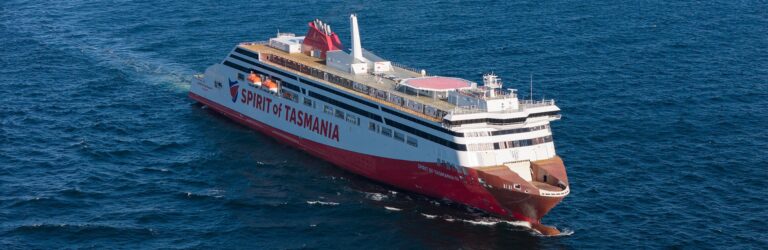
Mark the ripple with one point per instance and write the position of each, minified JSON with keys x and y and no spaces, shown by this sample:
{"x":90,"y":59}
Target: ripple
{"x":34,"y":203}
{"x":662,"y":131}
{"x":84,"y":230}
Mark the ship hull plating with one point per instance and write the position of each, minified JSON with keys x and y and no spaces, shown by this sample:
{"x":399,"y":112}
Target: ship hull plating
{"x":428,"y":178}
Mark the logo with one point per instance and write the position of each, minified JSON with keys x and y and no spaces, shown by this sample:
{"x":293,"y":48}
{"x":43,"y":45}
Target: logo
{"x":233,"y":89}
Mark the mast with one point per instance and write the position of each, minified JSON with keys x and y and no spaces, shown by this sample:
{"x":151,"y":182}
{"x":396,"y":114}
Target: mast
{"x":531,"y":88}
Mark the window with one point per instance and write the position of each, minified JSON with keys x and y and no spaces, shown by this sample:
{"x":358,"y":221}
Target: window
{"x":217,"y":84}
{"x":399,"y":136}
{"x":290,"y":95}
{"x":240,"y":76}
{"x":353,"y":119}
{"x":339,"y":113}
{"x":373,"y":127}
{"x":328,"y":110}
{"x":480,"y":147}
{"x":412,"y":141}
{"x":386,"y":131}
{"x":308,"y":102}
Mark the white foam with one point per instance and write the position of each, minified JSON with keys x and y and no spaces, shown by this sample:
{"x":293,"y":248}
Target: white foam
{"x":214,"y":192}
{"x":486,"y":221}
{"x":324,"y":203}
{"x":480,"y":222}
{"x":393,"y":208}
{"x":564,"y":232}
{"x":375,"y":196}
{"x":429,"y":216}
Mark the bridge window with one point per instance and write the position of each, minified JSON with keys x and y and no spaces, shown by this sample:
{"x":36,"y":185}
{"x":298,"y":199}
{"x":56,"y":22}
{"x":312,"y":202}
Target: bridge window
{"x":386,"y":131}
{"x":353,"y":119}
{"x":328,"y":110}
{"x":290,"y":95}
{"x":308,"y":102}
{"x":339,"y":114}
{"x":412,"y":141}
{"x":240,"y":76}
{"x":399,"y":136}
{"x":373,"y":127}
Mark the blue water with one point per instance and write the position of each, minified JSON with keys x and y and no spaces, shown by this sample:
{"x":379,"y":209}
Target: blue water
{"x":665,"y":107}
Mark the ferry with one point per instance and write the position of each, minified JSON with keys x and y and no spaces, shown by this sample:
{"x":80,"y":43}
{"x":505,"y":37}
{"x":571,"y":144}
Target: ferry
{"x":443,"y":137}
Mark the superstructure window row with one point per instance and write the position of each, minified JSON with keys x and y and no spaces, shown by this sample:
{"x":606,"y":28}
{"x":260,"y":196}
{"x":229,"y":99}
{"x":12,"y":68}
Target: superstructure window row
{"x":494,"y":121}
{"x":505,"y":132}
{"x":522,"y":143}
{"x":394,"y":134}
{"x":339,"y":113}
{"x":508,"y":144}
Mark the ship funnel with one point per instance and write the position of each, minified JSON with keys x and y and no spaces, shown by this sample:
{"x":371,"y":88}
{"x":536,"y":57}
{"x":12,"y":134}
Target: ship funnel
{"x":320,"y":39}
{"x":357,"y":49}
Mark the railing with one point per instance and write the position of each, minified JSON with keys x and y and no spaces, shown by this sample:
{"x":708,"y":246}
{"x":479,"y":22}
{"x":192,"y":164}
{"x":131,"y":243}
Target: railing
{"x":255,"y":43}
{"x":480,"y":93}
{"x":535,"y":103}
{"x":406,"y":68}
{"x":524,"y":104}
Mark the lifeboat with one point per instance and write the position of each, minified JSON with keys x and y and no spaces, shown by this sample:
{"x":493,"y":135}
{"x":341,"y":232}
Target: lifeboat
{"x":254,"y":79}
{"x":271,"y":85}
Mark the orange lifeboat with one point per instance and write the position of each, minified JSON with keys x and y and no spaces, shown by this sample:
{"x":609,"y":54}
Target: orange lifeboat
{"x":271,"y":85}
{"x":254,"y":79}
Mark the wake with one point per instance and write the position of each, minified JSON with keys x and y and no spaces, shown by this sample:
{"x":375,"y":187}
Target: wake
{"x":40,"y":23}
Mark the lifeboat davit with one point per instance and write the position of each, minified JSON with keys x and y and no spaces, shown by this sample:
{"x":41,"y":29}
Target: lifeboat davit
{"x":254,"y":79}
{"x":271,"y":85}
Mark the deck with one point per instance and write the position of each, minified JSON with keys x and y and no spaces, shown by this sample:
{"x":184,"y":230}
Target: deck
{"x":380,"y":83}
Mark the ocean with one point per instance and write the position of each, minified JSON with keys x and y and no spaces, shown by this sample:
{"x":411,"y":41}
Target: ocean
{"x":664,"y":103}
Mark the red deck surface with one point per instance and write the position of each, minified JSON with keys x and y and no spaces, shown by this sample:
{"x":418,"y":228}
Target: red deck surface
{"x":438,"y":83}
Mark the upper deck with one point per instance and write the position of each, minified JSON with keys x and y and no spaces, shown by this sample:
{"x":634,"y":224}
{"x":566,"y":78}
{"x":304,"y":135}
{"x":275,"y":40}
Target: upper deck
{"x":386,"y":82}
{"x":384,"y":88}
{"x":320,"y":56}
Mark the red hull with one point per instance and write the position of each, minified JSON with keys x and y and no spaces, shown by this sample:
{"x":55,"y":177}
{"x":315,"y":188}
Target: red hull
{"x":426,"y":178}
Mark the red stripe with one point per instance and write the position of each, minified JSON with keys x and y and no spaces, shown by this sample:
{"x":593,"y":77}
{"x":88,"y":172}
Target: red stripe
{"x":399,"y":173}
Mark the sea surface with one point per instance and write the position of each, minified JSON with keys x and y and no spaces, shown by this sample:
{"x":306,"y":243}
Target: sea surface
{"x":664,"y":103}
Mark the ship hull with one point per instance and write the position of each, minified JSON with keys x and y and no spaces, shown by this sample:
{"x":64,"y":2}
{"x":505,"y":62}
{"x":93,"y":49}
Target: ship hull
{"x":427,"y":178}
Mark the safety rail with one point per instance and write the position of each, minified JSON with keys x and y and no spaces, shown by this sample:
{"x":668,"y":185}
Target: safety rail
{"x":524,"y":104}
{"x":536,"y":103}
{"x":255,"y":43}
{"x":402,"y":66}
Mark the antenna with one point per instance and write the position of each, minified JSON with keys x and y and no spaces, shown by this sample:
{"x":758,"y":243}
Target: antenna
{"x":531,"y":88}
